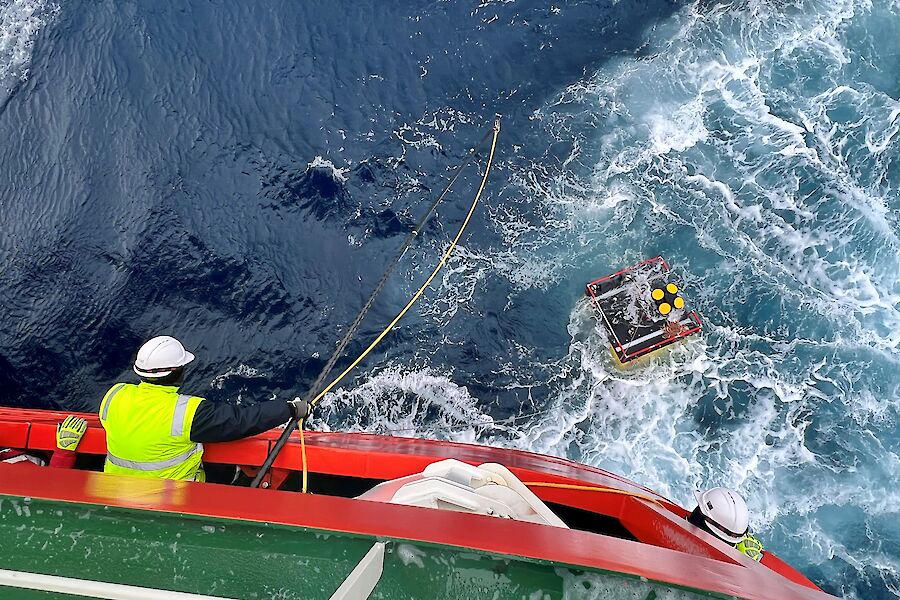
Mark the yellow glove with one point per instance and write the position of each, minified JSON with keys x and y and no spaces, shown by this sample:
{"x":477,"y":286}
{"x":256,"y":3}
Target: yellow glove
{"x":751,"y":546}
{"x":69,"y":432}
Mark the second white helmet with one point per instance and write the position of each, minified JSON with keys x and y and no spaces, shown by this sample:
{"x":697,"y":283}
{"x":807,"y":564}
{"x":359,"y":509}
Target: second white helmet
{"x":160,"y":356}
{"x":725,"y":513}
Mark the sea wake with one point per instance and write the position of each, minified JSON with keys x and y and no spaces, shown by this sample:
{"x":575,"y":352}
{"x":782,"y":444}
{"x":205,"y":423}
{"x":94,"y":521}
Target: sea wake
{"x":755,"y":146}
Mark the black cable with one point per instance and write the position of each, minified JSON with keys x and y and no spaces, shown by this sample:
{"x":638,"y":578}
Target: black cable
{"x":342,"y":345}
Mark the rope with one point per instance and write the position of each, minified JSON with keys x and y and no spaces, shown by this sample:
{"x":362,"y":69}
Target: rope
{"x":428,"y":281}
{"x":592,"y":488}
{"x":413,"y":235}
{"x":339,"y":350}
{"x":303,"y":458}
{"x":415,"y":297}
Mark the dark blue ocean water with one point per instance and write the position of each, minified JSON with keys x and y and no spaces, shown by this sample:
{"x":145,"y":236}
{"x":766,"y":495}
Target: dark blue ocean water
{"x":239,"y":174}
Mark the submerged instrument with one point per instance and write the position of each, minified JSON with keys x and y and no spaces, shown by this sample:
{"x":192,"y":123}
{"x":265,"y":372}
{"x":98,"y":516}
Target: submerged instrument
{"x":642,"y":309}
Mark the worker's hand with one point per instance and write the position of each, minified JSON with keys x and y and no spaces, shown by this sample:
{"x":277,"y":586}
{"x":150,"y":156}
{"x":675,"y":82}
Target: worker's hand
{"x":299,"y":408}
{"x":751,"y":546}
{"x":70,"y":432}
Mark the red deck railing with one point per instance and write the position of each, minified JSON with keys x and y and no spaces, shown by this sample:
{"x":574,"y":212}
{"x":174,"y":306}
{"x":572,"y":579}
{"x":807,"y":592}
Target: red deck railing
{"x":661,"y":527}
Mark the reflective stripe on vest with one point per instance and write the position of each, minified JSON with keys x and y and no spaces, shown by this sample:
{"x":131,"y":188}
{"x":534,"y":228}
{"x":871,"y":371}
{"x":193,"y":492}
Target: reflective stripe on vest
{"x":154,"y":465}
{"x":178,"y":418}
{"x":115,"y":390}
{"x":148,"y":432}
{"x":177,"y":429}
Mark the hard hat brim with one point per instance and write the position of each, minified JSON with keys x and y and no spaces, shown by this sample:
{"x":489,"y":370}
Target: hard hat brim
{"x":722,"y":535}
{"x":187,"y":358}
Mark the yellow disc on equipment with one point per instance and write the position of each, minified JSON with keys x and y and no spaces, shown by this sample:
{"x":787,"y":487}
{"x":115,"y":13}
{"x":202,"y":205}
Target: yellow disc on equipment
{"x":664,"y":308}
{"x":672,"y":288}
{"x":657,"y":294}
{"x":678,"y":302}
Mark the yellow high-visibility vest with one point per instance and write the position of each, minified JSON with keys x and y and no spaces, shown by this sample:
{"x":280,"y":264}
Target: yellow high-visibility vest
{"x":148,"y":429}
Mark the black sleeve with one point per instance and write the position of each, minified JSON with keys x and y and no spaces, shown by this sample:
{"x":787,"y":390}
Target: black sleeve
{"x":219,"y":422}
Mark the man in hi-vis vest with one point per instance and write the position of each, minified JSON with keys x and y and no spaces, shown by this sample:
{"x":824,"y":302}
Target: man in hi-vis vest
{"x":152,"y":430}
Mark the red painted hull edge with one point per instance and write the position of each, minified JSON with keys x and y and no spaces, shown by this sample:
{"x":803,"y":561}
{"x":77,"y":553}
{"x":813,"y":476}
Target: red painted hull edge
{"x":360,"y":517}
{"x":382,"y":457}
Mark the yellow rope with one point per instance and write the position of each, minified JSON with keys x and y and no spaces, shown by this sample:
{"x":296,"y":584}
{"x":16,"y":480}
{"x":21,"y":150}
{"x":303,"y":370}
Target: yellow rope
{"x":412,"y":300}
{"x":303,"y":456}
{"x":591,"y":488}
{"x":428,"y":281}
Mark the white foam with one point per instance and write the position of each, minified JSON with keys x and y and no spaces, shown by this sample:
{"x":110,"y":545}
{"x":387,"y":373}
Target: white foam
{"x":323,"y":163}
{"x":458,"y":283}
{"x":20,"y":22}
{"x":678,"y":129}
{"x":241,"y":370}
{"x":405,"y":403}
{"x":770,"y":191}
{"x":445,"y":119}
{"x":417,"y":138}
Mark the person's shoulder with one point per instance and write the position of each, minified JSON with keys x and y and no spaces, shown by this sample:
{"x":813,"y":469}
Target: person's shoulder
{"x":117,"y":387}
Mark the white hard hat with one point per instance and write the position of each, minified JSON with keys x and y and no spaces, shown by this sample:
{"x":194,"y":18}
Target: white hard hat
{"x":160,"y":356}
{"x":725,"y":513}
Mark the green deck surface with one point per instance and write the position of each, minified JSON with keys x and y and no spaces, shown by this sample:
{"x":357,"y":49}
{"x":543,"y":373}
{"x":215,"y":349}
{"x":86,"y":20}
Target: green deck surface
{"x":240,"y":559}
